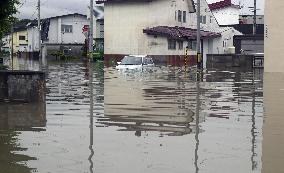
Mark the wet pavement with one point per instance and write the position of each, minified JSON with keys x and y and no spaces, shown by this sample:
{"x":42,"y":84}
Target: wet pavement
{"x":157,"y":121}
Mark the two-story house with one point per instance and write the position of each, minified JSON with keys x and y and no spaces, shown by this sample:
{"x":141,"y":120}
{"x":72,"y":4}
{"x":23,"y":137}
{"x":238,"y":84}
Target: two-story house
{"x":160,"y":28}
{"x":64,"y":33}
{"x":20,"y":39}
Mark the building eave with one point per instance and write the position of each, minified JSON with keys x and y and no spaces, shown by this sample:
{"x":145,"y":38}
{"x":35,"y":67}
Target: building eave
{"x":179,"y":33}
{"x":191,"y":4}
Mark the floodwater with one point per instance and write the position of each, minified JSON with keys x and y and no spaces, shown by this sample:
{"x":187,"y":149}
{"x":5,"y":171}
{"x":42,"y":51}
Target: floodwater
{"x":161,"y":120}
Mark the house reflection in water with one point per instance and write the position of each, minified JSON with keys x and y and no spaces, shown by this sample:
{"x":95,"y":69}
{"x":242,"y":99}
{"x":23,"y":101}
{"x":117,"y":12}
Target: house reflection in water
{"x":22,"y":116}
{"x":145,"y":101}
{"x":15,"y":118}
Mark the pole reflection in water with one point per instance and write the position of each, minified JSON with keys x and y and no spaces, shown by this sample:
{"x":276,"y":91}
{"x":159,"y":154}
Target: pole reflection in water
{"x":199,"y":78}
{"x":160,"y":102}
{"x":91,"y":116}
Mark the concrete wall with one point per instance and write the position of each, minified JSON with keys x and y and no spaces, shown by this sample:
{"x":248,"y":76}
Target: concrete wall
{"x":227,"y":61}
{"x":274,"y":36}
{"x":23,"y":86}
{"x":273,"y":128}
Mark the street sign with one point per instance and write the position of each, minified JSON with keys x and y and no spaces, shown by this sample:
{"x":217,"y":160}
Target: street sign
{"x":85,"y":30}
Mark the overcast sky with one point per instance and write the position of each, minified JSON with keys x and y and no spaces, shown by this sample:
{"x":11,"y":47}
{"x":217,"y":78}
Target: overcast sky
{"x":58,"y":7}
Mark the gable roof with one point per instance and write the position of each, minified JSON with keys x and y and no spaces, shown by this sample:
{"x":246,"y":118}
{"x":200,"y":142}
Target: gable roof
{"x":66,"y":15}
{"x":222,"y":4}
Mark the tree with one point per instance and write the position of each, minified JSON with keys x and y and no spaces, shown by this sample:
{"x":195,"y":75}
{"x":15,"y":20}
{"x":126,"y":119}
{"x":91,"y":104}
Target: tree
{"x":7,"y":9}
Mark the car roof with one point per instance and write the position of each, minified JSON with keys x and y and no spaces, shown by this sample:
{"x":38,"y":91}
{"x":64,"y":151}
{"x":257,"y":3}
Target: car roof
{"x":142,"y":56}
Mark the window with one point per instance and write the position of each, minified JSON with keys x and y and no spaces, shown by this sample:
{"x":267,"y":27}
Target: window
{"x":22,"y":37}
{"x":148,"y":61}
{"x":179,"y":15}
{"x":184,"y":16}
{"x":172,"y":44}
{"x":66,"y":28}
{"x":192,"y":45}
{"x":180,"y":45}
{"x":204,"y":20}
{"x":224,"y":44}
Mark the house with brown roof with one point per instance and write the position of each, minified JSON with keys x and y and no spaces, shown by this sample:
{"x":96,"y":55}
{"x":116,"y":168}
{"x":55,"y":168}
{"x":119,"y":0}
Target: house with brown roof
{"x":226,"y":12}
{"x":163,"y":29}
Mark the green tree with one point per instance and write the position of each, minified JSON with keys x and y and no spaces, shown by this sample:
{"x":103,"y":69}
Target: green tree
{"x":7,"y":9}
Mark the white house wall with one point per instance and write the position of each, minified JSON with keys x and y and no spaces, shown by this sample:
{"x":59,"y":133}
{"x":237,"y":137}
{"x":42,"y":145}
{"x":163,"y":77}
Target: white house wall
{"x":204,"y":11}
{"x":33,"y":39}
{"x":55,"y":35}
{"x":124,"y":24}
{"x":159,"y":45}
{"x":6,"y":42}
{"x":227,"y":16}
{"x":129,"y":19}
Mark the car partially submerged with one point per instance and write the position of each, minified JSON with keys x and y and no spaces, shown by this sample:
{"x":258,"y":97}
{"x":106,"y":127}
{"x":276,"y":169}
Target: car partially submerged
{"x":133,"y":62}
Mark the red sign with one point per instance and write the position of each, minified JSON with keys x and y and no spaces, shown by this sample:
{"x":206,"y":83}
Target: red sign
{"x":85,"y":28}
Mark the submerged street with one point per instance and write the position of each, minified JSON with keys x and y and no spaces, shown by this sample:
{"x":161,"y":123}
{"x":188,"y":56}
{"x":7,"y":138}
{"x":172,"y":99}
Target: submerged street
{"x":160,"y":120}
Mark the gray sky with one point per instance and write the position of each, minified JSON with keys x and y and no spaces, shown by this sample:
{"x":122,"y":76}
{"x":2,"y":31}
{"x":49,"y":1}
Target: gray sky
{"x":58,"y":7}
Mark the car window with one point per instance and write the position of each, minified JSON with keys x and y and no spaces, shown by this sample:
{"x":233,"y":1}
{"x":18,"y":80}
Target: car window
{"x":131,"y":60}
{"x":148,"y":60}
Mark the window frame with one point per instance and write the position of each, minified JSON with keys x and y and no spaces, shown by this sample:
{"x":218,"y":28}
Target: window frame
{"x":180,"y":45}
{"x":192,"y":44}
{"x":179,"y":16}
{"x":172,"y":44}
{"x":22,"y":37}
{"x":184,"y":16}
{"x":66,"y":28}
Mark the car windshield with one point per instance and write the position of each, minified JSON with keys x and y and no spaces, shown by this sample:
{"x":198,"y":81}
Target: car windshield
{"x":131,"y":60}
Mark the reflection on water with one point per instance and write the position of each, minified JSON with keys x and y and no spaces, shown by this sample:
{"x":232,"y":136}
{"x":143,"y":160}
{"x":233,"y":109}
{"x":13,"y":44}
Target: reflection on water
{"x":162,"y":120}
{"x":206,"y":119}
{"x":25,"y":63}
{"x":25,"y":116}
{"x":15,"y":117}
{"x":57,"y":141}
{"x":10,"y":159}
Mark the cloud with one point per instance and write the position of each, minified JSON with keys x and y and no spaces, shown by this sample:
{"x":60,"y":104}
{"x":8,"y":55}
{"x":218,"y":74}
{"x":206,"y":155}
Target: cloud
{"x":51,"y":8}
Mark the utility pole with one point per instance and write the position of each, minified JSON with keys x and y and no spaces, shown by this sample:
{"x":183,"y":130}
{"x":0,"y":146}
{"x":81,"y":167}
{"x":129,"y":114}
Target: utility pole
{"x":39,"y":33}
{"x":12,"y":45}
{"x":254,"y":18}
{"x":91,"y":31}
{"x":198,"y":47}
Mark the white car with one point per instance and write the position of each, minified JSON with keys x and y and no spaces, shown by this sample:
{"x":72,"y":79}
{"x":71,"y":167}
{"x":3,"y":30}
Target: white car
{"x":133,"y":62}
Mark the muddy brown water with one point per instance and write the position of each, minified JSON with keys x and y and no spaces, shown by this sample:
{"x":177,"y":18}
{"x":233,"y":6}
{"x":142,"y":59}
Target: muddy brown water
{"x":161,"y":120}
